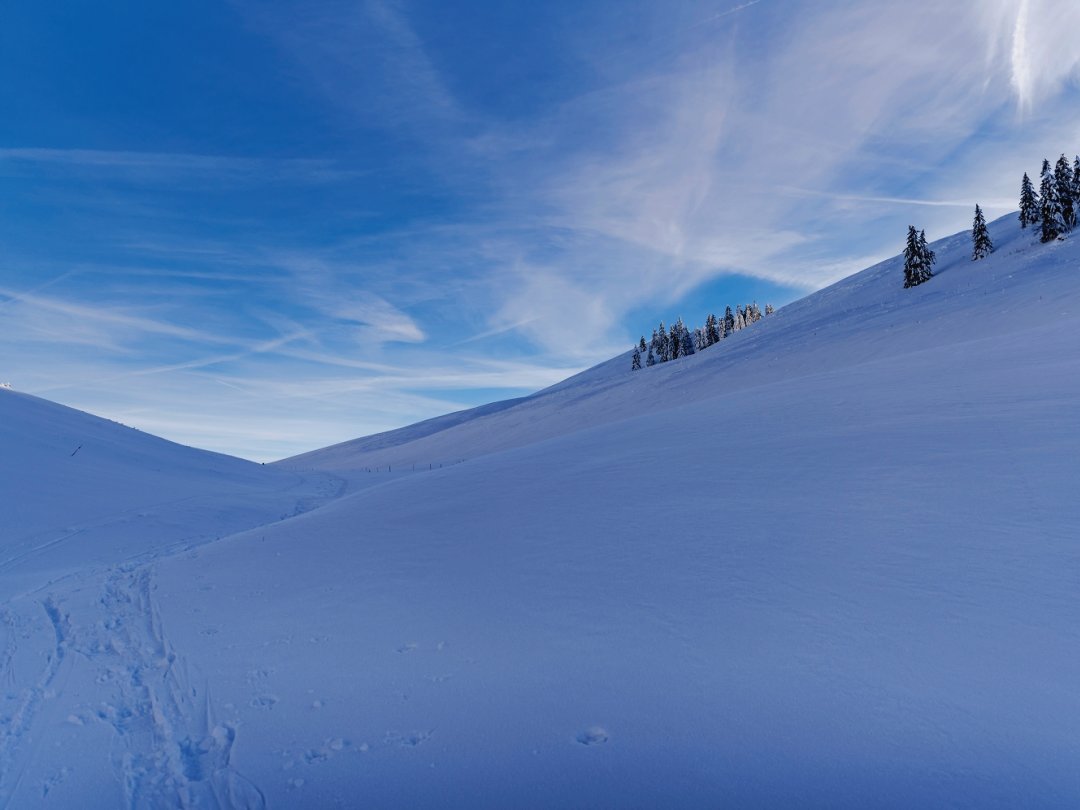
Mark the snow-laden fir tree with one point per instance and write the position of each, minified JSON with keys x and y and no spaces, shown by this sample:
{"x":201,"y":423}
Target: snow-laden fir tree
{"x":769,"y":309}
{"x":701,"y":338}
{"x":729,"y":322}
{"x":1029,"y":203}
{"x":980,"y":237}
{"x":641,"y":345}
{"x":917,"y":259}
{"x":651,"y":359}
{"x":675,"y":341}
{"x":712,"y":330}
{"x":1052,"y":215}
{"x":635,"y":363}
{"x":663,"y":345}
{"x":1063,"y":180}
{"x":1076,"y":181}
{"x":686,"y":338}
{"x":740,"y":319}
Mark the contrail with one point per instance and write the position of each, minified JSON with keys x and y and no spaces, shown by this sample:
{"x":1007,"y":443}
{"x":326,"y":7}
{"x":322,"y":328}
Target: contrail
{"x":730,"y":11}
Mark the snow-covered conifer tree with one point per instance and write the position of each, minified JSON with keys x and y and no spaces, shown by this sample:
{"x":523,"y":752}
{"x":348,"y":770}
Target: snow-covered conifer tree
{"x":686,"y":338}
{"x":769,"y":309}
{"x":663,"y":345}
{"x":1052,"y":215}
{"x":635,"y":363}
{"x":1029,"y":203}
{"x":980,"y":237}
{"x":651,"y":359}
{"x":701,"y":339}
{"x":641,"y":346}
{"x":675,"y":340}
{"x":729,"y":322}
{"x":740,"y":318}
{"x":1063,"y":180}
{"x":712,"y":329}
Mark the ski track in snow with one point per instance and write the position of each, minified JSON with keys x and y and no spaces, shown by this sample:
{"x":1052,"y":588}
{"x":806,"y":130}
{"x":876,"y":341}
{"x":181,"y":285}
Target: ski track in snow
{"x":169,"y":750}
{"x":17,"y":723}
{"x":172,"y":751}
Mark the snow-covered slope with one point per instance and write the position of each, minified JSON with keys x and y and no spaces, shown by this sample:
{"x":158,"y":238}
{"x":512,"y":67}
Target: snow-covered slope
{"x":830,"y":562}
{"x":74,"y":484}
{"x":866,"y":317}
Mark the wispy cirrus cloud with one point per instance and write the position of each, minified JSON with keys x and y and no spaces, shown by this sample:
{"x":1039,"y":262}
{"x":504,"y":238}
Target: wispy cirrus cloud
{"x":1039,"y":39}
{"x":156,"y":167}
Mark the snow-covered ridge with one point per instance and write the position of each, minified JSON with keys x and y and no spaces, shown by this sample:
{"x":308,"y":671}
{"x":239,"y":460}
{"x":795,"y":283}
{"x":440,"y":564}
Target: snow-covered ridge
{"x":801,"y":338}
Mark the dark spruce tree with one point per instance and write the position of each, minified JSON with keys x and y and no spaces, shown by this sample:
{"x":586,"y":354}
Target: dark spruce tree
{"x":635,"y":363}
{"x":641,"y":345}
{"x":1076,"y":181}
{"x":729,"y":322}
{"x":663,"y":345}
{"x":1051,"y":213}
{"x":980,"y":237}
{"x":928,"y":256}
{"x":675,"y":341}
{"x":651,"y":359}
{"x":912,"y":262}
{"x":1029,"y":203}
{"x":1063,"y":181}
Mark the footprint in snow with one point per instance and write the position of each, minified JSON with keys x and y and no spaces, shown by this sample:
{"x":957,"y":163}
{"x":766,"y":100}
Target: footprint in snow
{"x":265,"y":701}
{"x":594,"y":735}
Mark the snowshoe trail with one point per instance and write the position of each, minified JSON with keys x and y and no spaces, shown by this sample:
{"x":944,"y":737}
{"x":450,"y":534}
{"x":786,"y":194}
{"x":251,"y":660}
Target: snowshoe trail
{"x":21,"y":706}
{"x":171,"y":751}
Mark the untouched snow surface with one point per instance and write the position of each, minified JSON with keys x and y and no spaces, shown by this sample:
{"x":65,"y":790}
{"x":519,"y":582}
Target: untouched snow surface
{"x":830,"y":562}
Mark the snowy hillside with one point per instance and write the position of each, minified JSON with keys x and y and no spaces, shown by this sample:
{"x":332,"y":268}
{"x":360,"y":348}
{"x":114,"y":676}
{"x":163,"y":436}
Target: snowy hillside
{"x":866,"y":317}
{"x":829,"y":562}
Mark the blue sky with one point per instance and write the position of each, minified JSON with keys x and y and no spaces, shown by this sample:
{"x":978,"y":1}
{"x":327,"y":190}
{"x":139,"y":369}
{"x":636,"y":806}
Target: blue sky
{"x":263,"y":227}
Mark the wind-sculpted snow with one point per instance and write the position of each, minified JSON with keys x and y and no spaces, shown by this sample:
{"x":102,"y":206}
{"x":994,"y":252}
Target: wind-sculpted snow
{"x":830,"y":562}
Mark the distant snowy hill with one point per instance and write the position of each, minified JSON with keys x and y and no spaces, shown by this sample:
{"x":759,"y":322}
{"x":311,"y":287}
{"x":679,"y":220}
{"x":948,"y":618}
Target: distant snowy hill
{"x":829,"y":562}
{"x":866,"y":317}
{"x":72,"y":483}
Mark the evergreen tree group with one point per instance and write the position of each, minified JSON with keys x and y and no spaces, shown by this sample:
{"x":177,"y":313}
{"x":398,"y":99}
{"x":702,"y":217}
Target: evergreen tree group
{"x":1056,"y":206}
{"x":918,"y":259}
{"x":680,"y":341}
